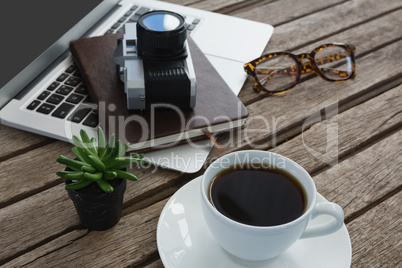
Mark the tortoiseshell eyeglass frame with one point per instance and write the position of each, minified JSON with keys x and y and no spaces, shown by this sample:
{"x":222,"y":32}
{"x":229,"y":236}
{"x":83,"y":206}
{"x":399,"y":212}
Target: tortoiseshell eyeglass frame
{"x":302,"y":68}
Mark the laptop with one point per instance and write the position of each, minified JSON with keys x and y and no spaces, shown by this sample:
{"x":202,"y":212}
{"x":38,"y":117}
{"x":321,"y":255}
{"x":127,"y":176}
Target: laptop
{"x":41,"y":90}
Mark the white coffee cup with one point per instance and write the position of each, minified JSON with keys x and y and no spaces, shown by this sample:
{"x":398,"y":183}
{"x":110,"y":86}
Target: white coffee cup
{"x":257,"y":243}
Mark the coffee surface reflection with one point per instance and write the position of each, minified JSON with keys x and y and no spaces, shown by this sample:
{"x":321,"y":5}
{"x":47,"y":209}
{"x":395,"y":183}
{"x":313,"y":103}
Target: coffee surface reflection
{"x":257,"y":195}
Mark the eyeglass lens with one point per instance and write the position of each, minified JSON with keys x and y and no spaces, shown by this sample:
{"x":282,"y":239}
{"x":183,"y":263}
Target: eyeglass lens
{"x":279,"y":72}
{"x":334,"y":62}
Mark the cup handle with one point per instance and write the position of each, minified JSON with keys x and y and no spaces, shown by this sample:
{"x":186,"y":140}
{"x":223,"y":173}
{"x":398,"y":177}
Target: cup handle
{"x":328,"y":227}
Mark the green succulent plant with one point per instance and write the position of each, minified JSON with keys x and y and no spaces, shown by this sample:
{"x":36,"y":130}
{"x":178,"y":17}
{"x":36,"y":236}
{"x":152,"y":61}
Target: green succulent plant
{"x":97,"y":163}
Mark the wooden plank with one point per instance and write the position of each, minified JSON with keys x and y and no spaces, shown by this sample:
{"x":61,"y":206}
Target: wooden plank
{"x":280,"y":12}
{"x":52,"y":213}
{"x":43,"y":177}
{"x":182,"y":2}
{"x":155,"y":264}
{"x":361,"y":180}
{"x":377,"y":235}
{"x":154,"y":184}
{"x":121,"y":246}
{"x":320,"y":24}
{"x":285,"y":10}
{"x":328,"y":140}
{"x":31,"y":221}
{"x":367,"y":36}
{"x":19,"y":180}
{"x":47,"y":248}
{"x":213,"y":5}
{"x":14,"y":141}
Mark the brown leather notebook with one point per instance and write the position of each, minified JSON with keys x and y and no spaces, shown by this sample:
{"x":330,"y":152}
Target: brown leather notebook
{"x":217,"y":108}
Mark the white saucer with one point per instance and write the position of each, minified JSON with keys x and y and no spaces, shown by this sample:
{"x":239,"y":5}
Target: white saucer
{"x":184,"y":240}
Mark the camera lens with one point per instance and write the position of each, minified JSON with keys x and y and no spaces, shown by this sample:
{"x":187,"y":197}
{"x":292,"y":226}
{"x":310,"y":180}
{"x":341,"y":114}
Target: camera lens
{"x":161,"y":35}
{"x":161,"y":22}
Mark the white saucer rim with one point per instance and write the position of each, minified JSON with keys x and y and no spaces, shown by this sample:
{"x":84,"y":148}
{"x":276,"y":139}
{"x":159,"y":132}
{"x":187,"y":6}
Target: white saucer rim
{"x":173,"y":197}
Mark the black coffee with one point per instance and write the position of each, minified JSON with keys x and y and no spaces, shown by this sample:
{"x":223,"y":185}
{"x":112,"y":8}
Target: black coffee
{"x":258,"y":196}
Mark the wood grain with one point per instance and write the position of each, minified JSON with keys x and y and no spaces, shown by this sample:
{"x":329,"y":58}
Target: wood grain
{"x":280,"y":12}
{"x":212,"y":5}
{"x":321,"y":24}
{"x":364,"y":178}
{"x":137,"y":231}
{"x":124,"y":245}
{"x":352,"y":145}
{"x":20,"y":179}
{"x":15,"y":142}
{"x":140,"y":194}
{"x":355,"y":126}
{"x":155,"y":264}
{"x":31,"y":256}
{"x":328,"y":141}
{"x":377,"y":236}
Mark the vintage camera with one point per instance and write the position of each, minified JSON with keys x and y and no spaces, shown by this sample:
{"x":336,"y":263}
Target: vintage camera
{"x":154,"y":62}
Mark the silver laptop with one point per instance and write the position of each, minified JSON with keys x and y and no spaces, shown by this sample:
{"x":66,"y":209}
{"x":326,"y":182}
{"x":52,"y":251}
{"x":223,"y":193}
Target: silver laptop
{"x":40,"y":87}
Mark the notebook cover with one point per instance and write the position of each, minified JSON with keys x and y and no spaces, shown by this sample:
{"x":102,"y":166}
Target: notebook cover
{"x":215,"y":101}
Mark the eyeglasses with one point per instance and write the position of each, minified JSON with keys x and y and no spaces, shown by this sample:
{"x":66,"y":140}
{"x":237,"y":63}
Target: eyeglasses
{"x":279,"y":72}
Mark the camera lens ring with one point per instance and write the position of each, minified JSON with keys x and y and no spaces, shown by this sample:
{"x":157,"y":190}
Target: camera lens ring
{"x":161,"y":34}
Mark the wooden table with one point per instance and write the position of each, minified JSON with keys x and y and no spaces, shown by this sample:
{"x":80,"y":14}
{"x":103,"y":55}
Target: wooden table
{"x":347,"y":135}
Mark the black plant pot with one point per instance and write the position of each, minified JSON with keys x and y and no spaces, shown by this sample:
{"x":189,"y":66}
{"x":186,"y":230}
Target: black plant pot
{"x":99,"y":210}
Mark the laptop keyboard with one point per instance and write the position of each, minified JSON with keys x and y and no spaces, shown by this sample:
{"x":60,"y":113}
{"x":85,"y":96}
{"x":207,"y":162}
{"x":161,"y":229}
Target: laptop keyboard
{"x":68,"y":93}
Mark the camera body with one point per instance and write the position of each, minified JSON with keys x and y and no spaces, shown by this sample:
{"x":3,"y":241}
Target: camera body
{"x":154,"y":62}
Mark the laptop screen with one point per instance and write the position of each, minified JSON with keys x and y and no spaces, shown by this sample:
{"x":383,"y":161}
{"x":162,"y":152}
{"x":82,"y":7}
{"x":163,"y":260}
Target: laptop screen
{"x":30,"y":28}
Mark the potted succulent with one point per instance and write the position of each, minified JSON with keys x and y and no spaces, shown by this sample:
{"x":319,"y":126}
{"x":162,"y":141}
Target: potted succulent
{"x":96,"y":179}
